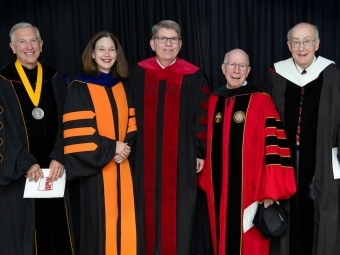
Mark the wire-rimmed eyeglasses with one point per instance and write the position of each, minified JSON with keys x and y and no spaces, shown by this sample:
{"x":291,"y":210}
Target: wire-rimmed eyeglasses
{"x":164,"y":39}
{"x":232,"y":66}
{"x":306,"y":43}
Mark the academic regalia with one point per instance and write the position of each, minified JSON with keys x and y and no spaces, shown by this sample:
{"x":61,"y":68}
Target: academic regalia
{"x":97,"y":114}
{"x":171,"y":116}
{"x":314,"y":210}
{"x":30,"y":226}
{"x":248,"y":160}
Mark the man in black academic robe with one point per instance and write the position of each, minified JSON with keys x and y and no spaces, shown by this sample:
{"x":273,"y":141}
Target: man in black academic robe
{"x":31,"y":140}
{"x":170,"y":99}
{"x":306,"y":91}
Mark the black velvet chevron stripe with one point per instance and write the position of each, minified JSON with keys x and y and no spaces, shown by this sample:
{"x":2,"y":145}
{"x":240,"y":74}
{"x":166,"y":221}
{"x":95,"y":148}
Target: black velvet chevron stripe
{"x":275,"y":159}
{"x":272,"y":122}
{"x":274,"y":140}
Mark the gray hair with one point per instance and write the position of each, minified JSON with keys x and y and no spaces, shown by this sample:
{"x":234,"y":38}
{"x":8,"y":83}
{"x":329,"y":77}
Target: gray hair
{"x":316,"y":31}
{"x":20,"y":26}
{"x":169,"y":24}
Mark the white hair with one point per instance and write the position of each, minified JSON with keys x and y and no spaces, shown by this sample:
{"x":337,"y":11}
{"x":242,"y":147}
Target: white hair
{"x":20,"y":26}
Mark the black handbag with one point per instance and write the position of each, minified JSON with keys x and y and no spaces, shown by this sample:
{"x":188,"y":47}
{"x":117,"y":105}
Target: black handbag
{"x":271,"y":221}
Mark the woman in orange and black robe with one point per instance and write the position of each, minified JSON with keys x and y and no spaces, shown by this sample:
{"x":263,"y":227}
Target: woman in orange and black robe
{"x":98,"y":116}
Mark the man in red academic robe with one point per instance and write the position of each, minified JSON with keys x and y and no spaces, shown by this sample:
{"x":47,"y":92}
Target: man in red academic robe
{"x":170,"y":97}
{"x":248,"y":159}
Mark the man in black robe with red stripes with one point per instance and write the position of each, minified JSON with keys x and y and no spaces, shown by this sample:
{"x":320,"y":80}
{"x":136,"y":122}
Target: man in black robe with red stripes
{"x":248,"y":160}
{"x":170,"y":99}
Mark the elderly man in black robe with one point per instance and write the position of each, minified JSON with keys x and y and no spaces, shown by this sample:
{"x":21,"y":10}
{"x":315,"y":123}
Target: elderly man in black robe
{"x":306,"y":91}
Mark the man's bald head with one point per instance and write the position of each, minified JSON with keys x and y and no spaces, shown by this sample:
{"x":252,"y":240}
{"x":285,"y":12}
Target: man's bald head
{"x":303,"y":25}
{"x":237,"y":52}
{"x":235,"y":68}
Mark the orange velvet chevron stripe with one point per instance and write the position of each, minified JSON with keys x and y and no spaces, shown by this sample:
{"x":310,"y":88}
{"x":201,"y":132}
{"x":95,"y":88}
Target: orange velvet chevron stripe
{"x":79,"y":131}
{"x":132,"y":126}
{"x":78,"y":115}
{"x":81,"y":147}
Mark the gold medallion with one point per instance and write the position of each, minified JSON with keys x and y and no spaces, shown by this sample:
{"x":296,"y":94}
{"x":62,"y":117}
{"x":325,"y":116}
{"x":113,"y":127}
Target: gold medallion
{"x":239,"y":117}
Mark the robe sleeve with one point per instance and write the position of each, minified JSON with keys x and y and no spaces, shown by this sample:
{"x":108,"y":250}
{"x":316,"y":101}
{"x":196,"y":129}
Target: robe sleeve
{"x":201,"y":97}
{"x":277,"y":178}
{"x":59,"y":88}
{"x":131,"y":133}
{"x":15,"y":159}
{"x":86,"y":152}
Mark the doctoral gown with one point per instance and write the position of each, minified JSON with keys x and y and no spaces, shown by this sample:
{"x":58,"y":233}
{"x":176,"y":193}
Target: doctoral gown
{"x":25,"y":141}
{"x":171,"y":116}
{"x":315,"y":207}
{"x":248,"y":160}
{"x":97,"y":114}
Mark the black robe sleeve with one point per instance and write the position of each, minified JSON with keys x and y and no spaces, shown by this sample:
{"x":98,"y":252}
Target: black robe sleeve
{"x":131,"y":137}
{"x":59,"y":88}
{"x":15,"y":159}
{"x":200,"y":107}
{"x":85,"y":163}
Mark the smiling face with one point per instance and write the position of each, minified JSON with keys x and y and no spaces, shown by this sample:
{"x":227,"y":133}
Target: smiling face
{"x":27,"y":46}
{"x":235,"y":77}
{"x":302,"y":55}
{"x":104,"y":54}
{"x":166,"y":53}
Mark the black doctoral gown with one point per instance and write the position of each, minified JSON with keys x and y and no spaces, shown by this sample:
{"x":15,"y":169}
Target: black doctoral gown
{"x":97,"y":115}
{"x":30,"y":226}
{"x":314,"y":210}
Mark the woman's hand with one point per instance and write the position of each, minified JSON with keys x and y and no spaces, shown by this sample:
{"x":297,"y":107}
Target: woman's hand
{"x":122,"y":152}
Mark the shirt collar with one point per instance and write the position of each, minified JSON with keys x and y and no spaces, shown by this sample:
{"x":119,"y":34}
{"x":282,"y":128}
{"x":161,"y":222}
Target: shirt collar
{"x":173,"y":62}
{"x":300,"y":69}
{"x":244,"y":83}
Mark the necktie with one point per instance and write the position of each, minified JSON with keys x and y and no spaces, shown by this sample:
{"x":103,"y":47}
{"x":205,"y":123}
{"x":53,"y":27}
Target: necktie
{"x":303,"y":72}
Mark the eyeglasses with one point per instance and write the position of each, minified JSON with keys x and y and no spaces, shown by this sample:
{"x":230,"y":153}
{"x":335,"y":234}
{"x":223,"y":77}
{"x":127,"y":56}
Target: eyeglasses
{"x":232,"y":66}
{"x":306,"y":43}
{"x":163,"y":39}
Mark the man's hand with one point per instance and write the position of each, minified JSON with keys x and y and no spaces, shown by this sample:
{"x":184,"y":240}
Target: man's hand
{"x":267,"y":202}
{"x":34,"y":173}
{"x":56,"y":170}
{"x":199,"y":165}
